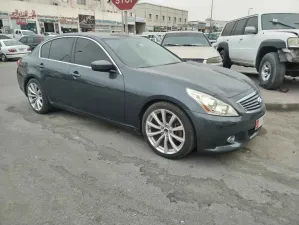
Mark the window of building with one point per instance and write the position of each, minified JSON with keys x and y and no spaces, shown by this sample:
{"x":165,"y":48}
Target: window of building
{"x":157,"y":17}
{"x":180,"y":20}
{"x":163,"y":18}
{"x":185,"y":21}
{"x":174,"y":19}
{"x":150,"y":16}
{"x":87,"y":51}
{"x":131,"y":14}
{"x":169,"y":18}
{"x":61,"y":49}
{"x":81,"y":2}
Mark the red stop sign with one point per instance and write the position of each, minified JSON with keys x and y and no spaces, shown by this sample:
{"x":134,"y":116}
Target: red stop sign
{"x":124,"y":4}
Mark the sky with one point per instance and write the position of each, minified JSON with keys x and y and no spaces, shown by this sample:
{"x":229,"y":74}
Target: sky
{"x":228,"y":9}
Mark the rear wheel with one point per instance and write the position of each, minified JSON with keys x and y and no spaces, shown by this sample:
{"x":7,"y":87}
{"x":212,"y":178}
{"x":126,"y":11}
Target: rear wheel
{"x":168,"y":130}
{"x":3,"y":58}
{"x":37,"y":98}
{"x":271,"y":71}
{"x":225,"y":58}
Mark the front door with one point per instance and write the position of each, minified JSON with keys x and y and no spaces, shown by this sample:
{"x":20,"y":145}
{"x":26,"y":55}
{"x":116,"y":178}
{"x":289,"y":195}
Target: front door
{"x":94,"y":92}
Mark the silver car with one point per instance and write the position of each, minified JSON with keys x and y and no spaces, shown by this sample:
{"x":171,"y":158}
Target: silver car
{"x":12,"y":49}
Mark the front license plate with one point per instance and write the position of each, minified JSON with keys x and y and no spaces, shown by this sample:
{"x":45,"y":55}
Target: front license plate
{"x":259,"y":123}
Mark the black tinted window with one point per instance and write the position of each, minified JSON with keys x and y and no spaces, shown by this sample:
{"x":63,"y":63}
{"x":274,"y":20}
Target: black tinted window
{"x":4,"y":37}
{"x":253,"y":22}
{"x":23,"y":40}
{"x":239,"y":30}
{"x":45,"y":49}
{"x":61,"y":49}
{"x":228,"y":29}
{"x":87,"y":51}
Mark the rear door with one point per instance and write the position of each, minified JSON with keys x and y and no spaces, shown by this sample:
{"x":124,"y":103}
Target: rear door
{"x":54,"y":64}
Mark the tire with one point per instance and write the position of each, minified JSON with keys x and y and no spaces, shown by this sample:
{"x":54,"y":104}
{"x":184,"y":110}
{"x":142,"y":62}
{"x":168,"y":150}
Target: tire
{"x":187,"y":133}
{"x":34,"y":88}
{"x":226,"y":60}
{"x":3,"y":58}
{"x":271,"y":71}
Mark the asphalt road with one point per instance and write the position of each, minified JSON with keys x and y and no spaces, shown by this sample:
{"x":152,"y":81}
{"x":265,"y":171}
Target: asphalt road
{"x":66,"y":169}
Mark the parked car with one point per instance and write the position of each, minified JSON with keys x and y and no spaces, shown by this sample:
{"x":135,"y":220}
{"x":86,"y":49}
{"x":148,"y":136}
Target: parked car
{"x":33,"y":40}
{"x":213,"y":36}
{"x":131,"y":81}
{"x":152,"y":37}
{"x":5,"y":36}
{"x":50,"y":34}
{"x":191,"y":45}
{"x":12,"y":49}
{"x":268,"y":42}
{"x":18,"y":34}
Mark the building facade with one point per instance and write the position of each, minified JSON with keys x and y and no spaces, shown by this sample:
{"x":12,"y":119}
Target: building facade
{"x":160,"y":18}
{"x":59,"y":16}
{"x":217,"y":25}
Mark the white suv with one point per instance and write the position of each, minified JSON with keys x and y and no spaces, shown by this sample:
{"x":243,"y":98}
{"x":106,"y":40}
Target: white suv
{"x":268,"y":42}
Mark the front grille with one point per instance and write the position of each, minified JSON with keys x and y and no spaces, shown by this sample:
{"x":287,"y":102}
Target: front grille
{"x":195,"y":60}
{"x":251,"y":102}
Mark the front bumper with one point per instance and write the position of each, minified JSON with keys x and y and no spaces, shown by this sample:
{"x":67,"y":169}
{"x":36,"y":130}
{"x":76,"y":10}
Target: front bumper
{"x":213,"y":131}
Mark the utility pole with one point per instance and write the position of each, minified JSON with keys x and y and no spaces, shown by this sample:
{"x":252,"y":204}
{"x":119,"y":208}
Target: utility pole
{"x":211,"y":19}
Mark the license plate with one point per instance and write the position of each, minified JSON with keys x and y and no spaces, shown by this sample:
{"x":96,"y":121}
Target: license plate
{"x":259,"y":123}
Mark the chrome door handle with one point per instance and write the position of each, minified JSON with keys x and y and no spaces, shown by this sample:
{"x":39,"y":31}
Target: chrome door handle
{"x":75,"y":74}
{"x":41,"y":66}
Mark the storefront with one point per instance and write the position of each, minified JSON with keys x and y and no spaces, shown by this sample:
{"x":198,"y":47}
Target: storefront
{"x":48,"y":24}
{"x":86,"y":23}
{"x":24,"y":20}
{"x":108,"y":26}
{"x":4,"y":22}
{"x":69,"y":25}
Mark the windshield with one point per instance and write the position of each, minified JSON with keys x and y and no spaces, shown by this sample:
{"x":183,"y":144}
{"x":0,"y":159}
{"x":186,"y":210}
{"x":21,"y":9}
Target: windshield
{"x":274,"y":21}
{"x":28,"y":32}
{"x":141,"y":52}
{"x":12,"y":43}
{"x":185,"y":39}
{"x":213,"y":36}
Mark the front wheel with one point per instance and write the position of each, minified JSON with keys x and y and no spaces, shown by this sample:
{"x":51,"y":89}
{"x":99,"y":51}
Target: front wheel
{"x":168,"y":130}
{"x":271,"y":71}
{"x":3,"y":58}
{"x":225,"y":59}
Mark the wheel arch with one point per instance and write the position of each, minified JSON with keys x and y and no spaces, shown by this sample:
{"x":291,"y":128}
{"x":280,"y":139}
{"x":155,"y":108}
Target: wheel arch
{"x":267,"y":46}
{"x":223,"y":46}
{"x":27,"y":79}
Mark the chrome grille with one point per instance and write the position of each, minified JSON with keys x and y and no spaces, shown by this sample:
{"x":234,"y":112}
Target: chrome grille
{"x":251,"y":102}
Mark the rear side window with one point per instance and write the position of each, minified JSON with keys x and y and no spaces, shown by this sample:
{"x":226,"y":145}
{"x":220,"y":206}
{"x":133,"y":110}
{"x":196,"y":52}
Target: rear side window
{"x":45,"y":50}
{"x":61,"y":49}
{"x":239,"y":30}
{"x":23,"y":40}
{"x":87,"y":51}
{"x":253,"y":22}
{"x":37,"y":40}
{"x":228,"y":29}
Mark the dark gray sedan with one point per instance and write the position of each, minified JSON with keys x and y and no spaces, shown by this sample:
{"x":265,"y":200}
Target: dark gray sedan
{"x":131,"y":81}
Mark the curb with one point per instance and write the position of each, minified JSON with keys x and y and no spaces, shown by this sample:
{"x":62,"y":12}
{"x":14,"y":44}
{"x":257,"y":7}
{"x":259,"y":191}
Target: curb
{"x":286,"y":107}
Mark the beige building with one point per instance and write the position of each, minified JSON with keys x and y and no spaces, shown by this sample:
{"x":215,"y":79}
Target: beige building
{"x":160,"y":18}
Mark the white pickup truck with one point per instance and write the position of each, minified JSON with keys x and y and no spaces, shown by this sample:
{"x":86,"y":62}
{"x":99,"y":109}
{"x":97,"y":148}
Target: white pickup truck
{"x":269,"y":42}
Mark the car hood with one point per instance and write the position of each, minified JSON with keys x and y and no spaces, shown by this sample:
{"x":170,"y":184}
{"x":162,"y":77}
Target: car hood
{"x":194,"y":52}
{"x":293,"y":31}
{"x":213,"y":80}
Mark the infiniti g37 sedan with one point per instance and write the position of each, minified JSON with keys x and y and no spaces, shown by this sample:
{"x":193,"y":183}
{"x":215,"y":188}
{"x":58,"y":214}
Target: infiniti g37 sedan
{"x":131,"y":81}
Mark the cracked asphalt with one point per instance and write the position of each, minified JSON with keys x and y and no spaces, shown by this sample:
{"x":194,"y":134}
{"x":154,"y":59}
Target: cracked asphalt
{"x":65,"y":169}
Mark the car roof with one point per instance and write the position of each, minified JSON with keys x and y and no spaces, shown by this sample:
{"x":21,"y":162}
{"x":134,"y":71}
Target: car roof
{"x":183,"y":31}
{"x":98,"y":35}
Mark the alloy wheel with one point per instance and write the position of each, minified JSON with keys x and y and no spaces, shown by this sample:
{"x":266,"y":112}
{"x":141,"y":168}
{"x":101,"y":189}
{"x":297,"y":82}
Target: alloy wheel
{"x":35,"y":96}
{"x":165,"y":131}
{"x":266,"y":71}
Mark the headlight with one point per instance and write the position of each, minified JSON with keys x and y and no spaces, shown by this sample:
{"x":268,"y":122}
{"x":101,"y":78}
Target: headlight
{"x":212,"y":105}
{"x":293,"y":42}
{"x":214,"y":60}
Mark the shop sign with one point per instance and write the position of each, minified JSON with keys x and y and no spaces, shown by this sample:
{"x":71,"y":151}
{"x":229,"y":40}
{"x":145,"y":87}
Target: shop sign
{"x":4,"y":15}
{"x":86,"y":20}
{"x":112,"y":22}
{"x":47,"y":20}
{"x":66,"y":20}
{"x":21,"y":22}
{"x":140,"y":20}
{"x":23,"y":14}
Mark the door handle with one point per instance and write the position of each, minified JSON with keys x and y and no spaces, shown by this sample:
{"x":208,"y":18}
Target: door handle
{"x":41,"y":66}
{"x":75,"y":74}
{"x":241,"y":39}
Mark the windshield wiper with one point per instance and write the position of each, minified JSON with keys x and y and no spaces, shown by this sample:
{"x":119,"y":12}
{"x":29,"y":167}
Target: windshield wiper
{"x":170,"y":45}
{"x":191,"y":45}
{"x":283,"y":24}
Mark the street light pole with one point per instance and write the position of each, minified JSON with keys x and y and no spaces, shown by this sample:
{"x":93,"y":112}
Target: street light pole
{"x":249,"y":11}
{"x":211,"y":18}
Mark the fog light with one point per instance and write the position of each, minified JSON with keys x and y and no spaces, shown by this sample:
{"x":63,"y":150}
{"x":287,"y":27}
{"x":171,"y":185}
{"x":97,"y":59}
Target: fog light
{"x":231,"y":139}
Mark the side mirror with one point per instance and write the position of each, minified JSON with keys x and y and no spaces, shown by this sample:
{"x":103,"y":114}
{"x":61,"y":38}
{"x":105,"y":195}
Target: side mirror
{"x":102,"y":66}
{"x":250,"y":30}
